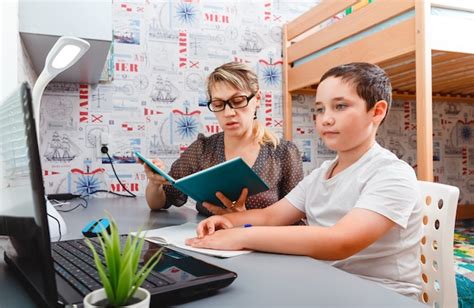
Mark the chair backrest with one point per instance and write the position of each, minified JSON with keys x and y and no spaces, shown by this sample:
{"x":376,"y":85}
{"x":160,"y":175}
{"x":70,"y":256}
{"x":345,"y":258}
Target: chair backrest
{"x":437,"y":261}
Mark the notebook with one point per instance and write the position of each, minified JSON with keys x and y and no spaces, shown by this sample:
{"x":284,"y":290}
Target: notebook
{"x":177,"y":235}
{"x":59,"y":274}
{"x":229,"y":177}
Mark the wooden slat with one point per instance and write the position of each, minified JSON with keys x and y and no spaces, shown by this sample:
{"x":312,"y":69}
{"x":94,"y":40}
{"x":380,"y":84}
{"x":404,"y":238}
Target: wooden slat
{"x":287,"y":102}
{"x":447,"y":86}
{"x":369,"y":16}
{"x":456,"y":70}
{"x":404,"y":78}
{"x":305,"y":91}
{"x":398,"y":71}
{"x":465,"y":91}
{"x":465,"y":211}
{"x":324,"y":10}
{"x":360,"y":51}
{"x":403,"y":67}
{"x":465,"y":75}
{"x":440,"y":76}
{"x":424,"y":108}
{"x":397,"y":60}
{"x":467,"y":100}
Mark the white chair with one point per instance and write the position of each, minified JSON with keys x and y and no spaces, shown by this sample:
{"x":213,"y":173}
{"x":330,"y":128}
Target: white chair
{"x":437,"y":262}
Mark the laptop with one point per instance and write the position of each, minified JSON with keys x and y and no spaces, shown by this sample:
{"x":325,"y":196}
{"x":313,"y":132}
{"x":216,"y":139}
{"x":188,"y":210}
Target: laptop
{"x":62,"y":273}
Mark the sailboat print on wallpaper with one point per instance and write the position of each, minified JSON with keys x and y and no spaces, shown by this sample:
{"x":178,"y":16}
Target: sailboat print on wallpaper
{"x":60,"y":149}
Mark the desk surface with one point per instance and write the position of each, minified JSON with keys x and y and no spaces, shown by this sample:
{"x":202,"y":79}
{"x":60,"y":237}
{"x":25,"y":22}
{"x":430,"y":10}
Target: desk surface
{"x":264,"y":280}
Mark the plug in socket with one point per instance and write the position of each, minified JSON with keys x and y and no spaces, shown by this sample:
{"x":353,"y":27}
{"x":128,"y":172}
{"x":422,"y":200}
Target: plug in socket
{"x":102,"y":140}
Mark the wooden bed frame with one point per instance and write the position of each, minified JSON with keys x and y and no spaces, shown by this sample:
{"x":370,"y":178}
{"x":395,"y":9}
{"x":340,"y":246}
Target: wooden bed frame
{"x":440,"y":65}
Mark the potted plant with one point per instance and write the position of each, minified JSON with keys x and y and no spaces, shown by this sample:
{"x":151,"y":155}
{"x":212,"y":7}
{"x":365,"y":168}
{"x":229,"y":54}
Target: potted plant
{"x":121,"y":276}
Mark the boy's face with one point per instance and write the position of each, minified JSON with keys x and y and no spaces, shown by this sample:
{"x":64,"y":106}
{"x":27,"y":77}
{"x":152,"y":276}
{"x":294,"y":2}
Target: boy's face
{"x":342,"y":119}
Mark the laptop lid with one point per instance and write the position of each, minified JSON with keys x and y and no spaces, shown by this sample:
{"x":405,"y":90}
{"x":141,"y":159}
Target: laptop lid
{"x":23,"y":206}
{"x":23,"y":218}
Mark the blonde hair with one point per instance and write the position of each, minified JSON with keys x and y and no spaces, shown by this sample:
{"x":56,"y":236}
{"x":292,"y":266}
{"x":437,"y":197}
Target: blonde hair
{"x":240,"y":76}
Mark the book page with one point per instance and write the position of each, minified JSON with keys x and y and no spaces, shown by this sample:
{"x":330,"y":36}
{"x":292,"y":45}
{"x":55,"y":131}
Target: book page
{"x":176,"y":236}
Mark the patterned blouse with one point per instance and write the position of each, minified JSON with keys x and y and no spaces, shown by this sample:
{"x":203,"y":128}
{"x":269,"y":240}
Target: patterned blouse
{"x":281,"y":168}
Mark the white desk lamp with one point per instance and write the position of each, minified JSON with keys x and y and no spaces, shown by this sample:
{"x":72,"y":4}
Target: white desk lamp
{"x":66,"y":51}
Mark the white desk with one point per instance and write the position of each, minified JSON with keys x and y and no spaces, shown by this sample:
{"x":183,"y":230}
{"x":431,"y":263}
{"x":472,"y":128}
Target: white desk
{"x":264,"y":280}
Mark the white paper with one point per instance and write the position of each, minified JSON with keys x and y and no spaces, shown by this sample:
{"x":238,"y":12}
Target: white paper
{"x":176,"y":236}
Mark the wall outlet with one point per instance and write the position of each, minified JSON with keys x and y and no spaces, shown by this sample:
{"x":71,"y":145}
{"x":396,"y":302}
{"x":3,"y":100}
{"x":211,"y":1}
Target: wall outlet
{"x":104,"y":139}
{"x":101,"y":141}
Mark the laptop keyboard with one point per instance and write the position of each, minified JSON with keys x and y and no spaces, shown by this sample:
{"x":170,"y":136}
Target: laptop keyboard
{"x":74,"y":262}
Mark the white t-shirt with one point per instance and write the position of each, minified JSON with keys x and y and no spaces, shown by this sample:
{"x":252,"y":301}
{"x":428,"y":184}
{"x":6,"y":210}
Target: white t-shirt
{"x":384,"y":184}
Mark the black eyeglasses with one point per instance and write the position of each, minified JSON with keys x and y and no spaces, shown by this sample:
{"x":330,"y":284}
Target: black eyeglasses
{"x":235,"y":102}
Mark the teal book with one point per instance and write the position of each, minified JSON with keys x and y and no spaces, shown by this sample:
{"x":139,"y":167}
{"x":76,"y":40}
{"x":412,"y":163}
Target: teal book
{"x":229,"y":177}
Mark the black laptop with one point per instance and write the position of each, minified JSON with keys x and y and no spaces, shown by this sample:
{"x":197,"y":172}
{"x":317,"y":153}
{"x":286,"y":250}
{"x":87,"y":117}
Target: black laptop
{"x":62,"y":273}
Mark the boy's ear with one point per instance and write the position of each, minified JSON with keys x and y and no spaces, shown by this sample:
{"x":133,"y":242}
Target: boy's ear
{"x":380,"y":110}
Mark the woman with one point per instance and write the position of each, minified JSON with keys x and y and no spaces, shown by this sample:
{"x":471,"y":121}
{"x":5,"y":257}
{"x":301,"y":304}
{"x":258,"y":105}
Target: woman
{"x":234,"y":98}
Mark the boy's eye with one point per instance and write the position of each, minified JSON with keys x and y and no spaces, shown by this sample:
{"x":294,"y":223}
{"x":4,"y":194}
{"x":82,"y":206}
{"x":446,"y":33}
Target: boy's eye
{"x":340,"y":106}
{"x":319,"y":110}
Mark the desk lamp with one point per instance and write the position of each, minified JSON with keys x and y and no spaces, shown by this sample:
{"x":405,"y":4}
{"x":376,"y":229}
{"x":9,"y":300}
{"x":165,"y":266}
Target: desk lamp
{"x":66,"y":51}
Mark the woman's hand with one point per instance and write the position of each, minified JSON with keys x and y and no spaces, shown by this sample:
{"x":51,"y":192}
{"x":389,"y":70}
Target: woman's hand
{"x":229,"y":239}
{"x":230,"y":207}
{"x":210,"y":225}
{"x":153,"y":177}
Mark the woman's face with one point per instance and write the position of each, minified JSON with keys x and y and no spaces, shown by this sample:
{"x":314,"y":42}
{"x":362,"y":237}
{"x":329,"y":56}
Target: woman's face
{"x":234,"y":122}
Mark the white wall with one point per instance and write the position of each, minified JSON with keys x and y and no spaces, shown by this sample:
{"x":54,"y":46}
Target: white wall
{"x":9,"y":45}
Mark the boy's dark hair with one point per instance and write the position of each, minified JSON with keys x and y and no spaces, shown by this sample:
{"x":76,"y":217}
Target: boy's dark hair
{"x":371,"y":82}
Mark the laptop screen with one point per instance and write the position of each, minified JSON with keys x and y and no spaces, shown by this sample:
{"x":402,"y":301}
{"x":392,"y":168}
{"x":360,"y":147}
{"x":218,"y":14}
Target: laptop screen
{"x":23,"y":219}
{"x":22,"y":204}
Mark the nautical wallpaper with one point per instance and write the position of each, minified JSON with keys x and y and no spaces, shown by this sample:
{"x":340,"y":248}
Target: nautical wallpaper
{"x":153,"y":98}
{"x":155,"y":102}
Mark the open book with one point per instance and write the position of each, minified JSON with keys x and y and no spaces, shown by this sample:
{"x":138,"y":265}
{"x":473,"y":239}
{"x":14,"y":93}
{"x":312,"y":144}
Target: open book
{"x":176,"y":236}
{"x":229,"y":177}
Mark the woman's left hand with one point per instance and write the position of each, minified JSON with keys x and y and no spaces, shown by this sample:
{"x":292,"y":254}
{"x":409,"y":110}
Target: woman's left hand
{"x":230,"y":207}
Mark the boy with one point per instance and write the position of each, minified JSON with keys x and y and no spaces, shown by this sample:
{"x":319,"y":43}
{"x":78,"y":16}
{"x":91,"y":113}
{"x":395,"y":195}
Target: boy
{"x":362,"y":208}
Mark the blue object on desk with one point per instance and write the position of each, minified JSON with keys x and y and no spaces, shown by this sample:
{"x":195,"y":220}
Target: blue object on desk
{"x":96,"y":227}
{"x":247,"y":225}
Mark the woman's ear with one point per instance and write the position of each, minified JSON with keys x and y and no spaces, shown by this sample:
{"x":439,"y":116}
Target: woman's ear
{"x":258,"y":98}
{"x":380,"y":110}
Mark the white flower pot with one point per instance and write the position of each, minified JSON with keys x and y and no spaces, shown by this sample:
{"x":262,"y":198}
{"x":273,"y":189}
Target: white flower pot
{"x":91,"y":299}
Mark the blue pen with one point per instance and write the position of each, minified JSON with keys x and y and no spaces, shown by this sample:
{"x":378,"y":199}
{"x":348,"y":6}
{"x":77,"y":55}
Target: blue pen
{"x":247,"y":225}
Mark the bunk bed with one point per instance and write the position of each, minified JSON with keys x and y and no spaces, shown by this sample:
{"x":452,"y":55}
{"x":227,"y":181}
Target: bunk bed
{"x":398,"y":36}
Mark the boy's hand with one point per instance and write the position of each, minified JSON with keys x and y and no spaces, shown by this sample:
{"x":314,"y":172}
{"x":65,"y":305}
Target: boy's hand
{"x":230,"y":239}
{"x":230,"y":207}
{"x":210,"y":225}
{"x":153,"y":177}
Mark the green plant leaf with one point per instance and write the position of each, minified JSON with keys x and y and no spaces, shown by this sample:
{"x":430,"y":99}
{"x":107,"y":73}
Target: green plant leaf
{"x":115,"y":252}
{"x":146,"y":269}
{"x":101,"y":271}
{"x":120,"y":273}
{"x":124,"y":282}
{"x":138,"y":243}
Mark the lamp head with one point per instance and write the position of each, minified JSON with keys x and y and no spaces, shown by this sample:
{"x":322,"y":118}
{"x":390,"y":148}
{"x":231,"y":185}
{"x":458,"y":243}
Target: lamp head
{"x":66,"y":52}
